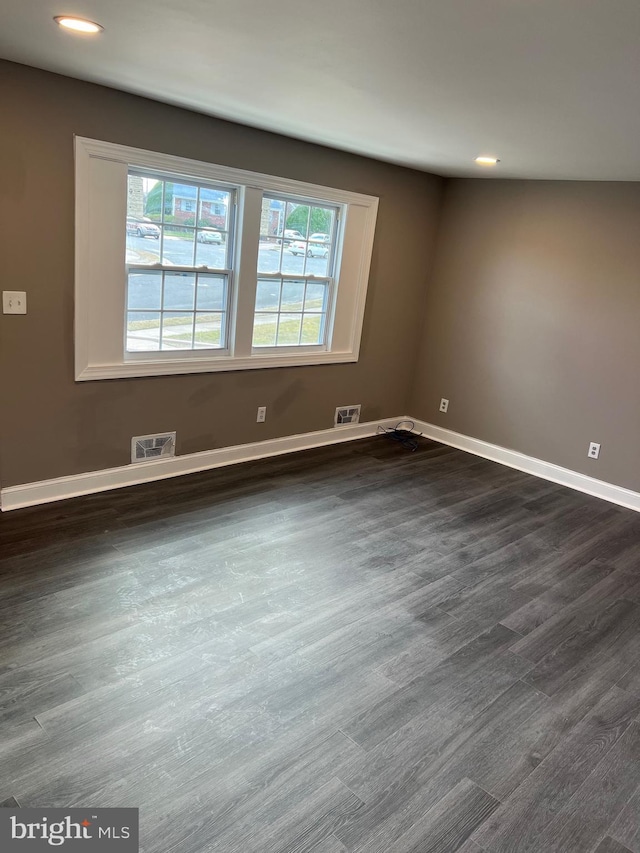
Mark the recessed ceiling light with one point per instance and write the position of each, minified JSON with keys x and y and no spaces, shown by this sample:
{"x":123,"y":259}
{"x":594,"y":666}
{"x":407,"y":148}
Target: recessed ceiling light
{"x":78,"y":25}
{"x":487,"y":161}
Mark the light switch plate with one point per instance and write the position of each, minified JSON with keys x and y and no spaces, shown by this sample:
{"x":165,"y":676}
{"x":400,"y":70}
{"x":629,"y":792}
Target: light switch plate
{"x":14,"y":302}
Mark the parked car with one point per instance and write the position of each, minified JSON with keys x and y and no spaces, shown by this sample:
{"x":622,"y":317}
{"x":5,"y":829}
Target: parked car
{"x":143,"y":228}
{"x":288,"y":235}
{"x":316,"y":247}
{"x":320,"y":238}
{"x":210,"y":237}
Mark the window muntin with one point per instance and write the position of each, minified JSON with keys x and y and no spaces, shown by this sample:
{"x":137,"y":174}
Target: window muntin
{"x":177,"y":306}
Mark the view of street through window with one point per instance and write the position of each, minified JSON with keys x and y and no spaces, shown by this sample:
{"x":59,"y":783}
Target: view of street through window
{"x":180,"y":255}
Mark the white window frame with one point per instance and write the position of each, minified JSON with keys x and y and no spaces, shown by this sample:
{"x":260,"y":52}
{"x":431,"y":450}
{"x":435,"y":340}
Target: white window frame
{"x":100,"y":272}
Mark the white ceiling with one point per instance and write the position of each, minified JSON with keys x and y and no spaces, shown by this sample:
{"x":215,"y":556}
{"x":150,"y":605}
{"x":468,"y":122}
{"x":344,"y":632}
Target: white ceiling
{"x":550,"y":86}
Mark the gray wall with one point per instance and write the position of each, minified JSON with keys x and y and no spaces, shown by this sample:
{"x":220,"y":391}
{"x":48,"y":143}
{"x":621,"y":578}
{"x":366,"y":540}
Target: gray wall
{"x":50,"y":425}
{"x":532,"y":321}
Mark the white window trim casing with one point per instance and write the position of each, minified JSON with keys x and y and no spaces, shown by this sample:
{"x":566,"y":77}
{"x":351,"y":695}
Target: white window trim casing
{"x":101,"y":200}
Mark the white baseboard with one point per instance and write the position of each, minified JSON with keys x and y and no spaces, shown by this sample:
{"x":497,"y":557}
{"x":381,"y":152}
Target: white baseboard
{"x":529,"y":464}
{"x":45,"y":491}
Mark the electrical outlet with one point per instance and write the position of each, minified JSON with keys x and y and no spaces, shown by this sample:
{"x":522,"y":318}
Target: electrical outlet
{"x":14,"y":302}
{"x":594,"y":450}
{"x":262,"y":414}
{"x":444,"y":405}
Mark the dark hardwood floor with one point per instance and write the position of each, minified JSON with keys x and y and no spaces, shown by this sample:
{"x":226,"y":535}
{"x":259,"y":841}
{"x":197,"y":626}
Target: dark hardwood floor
{"x":356,"y":648}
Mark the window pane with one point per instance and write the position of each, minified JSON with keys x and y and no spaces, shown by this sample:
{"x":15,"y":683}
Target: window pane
{"x":178,"y":242}
{"x":295,"y":238}
{"x":180,"y":203}
{"x":272,"y":219}
{"x":296,"y":225}
{"x":271,"y":225}
{"x":289,"y":329}
{"x":211,"y":249}
{"x":316,"y":297}
{"x":292,"y":295}
{"x":179,"y":290}
{"x":144,"y":291}
{"x":312,"y":325}
{"x":317,"y":259}
{"x":319,"y":247}
{"x":264,"y":330}
{"x":179,"y":215}
{"x":268,"y":295}
{"x":269,"y":256}
{"x":293,"y":258}
{"x":322,"y":222}
{"x":209,"y":331}
{"x":143,"y":235}
{"x":211,"y":294}
{"x":142,"y":248}
{"x":143,"y":331}
{"x":136,"y":196}
{"x":155,"y":196}
{"x":177,"y":330}
{"x":214,"y":208}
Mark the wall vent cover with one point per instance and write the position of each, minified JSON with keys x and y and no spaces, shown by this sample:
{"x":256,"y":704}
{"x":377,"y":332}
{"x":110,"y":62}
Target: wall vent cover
{"x":347,"y":415}
{"x":144,"y":448}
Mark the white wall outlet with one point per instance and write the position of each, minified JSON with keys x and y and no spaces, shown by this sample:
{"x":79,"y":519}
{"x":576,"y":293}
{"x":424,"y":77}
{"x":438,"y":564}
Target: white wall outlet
{"x":14,"y":302}
{"x":594,"y":450}
{"x":444,"y":405}
{"x":262,"y":414}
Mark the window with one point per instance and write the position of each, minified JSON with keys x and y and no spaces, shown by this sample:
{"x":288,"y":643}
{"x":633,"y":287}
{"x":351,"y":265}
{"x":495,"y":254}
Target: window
{"x":183,"y":266}
{"x":295,"y":276}
{"x":175,"y":300}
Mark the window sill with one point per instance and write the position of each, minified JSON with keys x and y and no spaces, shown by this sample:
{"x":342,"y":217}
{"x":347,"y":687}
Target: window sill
{"x":219,"y":364}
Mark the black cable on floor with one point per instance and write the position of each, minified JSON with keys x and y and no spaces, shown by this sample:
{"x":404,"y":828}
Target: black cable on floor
{"x":403,"y":433}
